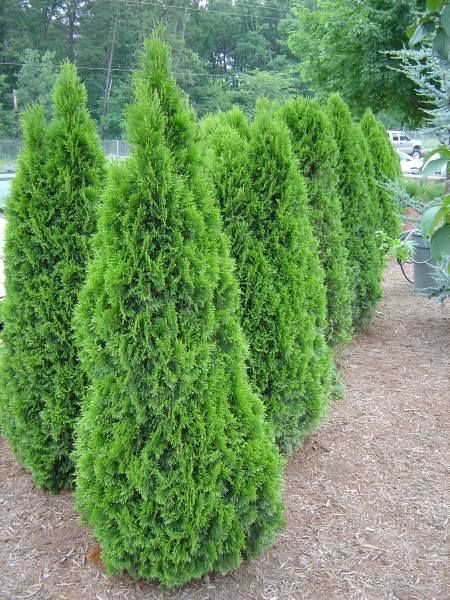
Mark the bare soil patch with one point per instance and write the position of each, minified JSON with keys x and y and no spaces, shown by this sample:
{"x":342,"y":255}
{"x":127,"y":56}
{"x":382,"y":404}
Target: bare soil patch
{"x":367,"y":497}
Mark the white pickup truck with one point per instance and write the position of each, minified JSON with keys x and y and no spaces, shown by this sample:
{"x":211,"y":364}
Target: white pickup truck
{"x":402,"y":141}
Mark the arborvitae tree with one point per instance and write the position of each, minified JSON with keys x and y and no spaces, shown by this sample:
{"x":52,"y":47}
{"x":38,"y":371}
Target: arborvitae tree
{"x":177,"y":471}
{"x":359,"y":212}
{"x":265,"y":213}
{"x":387,"y":168}
{"x":51,"y":217}
{"x":317,"y":156}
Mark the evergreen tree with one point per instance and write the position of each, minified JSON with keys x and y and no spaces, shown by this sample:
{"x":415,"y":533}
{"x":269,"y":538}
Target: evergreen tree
{"x":317,"y":157}
{"x":386,"y":168}
{"x":264,"y":207}
{"x":177,"y":472}
{"x":360,"y":212}
{"x":51,"y":216}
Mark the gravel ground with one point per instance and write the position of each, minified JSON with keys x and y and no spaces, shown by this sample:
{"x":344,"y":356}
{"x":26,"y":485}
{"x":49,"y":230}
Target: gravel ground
{"x":367,"y":497}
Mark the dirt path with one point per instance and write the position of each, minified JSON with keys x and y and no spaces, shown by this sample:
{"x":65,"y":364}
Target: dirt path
{"x":367,"y":498}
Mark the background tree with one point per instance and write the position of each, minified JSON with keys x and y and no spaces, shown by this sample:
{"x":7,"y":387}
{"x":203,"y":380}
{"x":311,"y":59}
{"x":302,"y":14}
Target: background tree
{"x":360,"y":212}
{"x":171,"y":432}
{"x":265,"y":213}
{"x":317,"y":156}
{"x":51,"y":216}
{"x":7,"y":123}
{"x":222,"y":49}
{"x":341,"y":45}
{"x":386,"y":169}
{"x":36,"y":80}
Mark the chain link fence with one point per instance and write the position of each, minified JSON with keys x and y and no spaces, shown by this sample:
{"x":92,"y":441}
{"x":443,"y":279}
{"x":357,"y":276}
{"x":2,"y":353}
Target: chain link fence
{"x":9,"y":151}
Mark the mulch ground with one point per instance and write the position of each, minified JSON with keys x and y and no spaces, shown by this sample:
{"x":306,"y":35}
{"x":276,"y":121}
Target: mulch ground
{"x":367,"y":497}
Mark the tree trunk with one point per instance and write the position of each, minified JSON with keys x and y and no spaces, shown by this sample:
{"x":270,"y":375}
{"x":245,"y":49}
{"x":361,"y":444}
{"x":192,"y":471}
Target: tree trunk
{"x":185,"y":21}
{"x":71,"y":17}
{"x":108,"y":82}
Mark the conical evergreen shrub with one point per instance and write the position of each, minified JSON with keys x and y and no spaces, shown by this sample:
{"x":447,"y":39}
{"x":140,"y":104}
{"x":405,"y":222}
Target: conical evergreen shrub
{"x":317,"y":157}
{"x":51,"y":217}
{"x":359,"y":213}
{"x":387,"y":168}
{"x":177,"y":471}
{"x":263,"y":201}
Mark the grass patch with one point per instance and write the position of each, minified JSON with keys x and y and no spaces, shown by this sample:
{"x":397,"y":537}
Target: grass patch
{"x":424,"y":191}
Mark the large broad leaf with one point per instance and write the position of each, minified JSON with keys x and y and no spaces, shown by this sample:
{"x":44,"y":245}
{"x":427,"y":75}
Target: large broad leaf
{"x":443,"y":151}
{"x":441,"y":44}
{"x":434,"y":165}
{"x":440,"y":243}
{"x":445,"y":19}
{"x":431,"y":218}
{"x":434,"y":5}
{"x":422,"y":31}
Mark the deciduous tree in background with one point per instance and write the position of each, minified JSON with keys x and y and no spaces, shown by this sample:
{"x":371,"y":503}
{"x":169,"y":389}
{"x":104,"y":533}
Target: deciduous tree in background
{"x":51,"y":217}
{"x":177,"y":471}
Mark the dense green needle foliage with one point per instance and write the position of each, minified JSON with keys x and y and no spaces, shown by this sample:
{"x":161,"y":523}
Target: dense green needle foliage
{"x":317,"y":157}
{"x":177,"y":471}
{"x":387,"y":168}
{"x":51,"y":217}
{"x":360,"y":211}
{"x":263,"y":200}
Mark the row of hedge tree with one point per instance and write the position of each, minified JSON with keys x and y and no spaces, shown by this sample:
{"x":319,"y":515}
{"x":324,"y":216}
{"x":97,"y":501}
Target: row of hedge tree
{"x":187,"y":309}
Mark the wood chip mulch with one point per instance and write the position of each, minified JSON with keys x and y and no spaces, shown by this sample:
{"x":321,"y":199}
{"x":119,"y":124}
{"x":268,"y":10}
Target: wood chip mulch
{"x":367,"y":497}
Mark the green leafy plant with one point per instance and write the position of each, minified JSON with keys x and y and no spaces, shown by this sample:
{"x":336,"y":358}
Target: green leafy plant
{"x":435,"y":225}
{"x":317,"y":157}
{"x":177,"y":474}
{"x":360,"y":211}
{"x":435,"y":23}
{"x":386,"y":168}
{"x":51,"y":216}
{"x":401,"y":249}
{"x":266,"y":215}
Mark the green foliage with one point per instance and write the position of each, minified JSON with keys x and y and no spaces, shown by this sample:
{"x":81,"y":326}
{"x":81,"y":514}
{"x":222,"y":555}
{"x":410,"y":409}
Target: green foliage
{"x":265,"y":213}
{"x":387,"y":168}
{"x":424,"y":191}
{"x":435,"y":23}
{"x":221,"y":48}
{"x":317,"y":156}
{"x":36,"y":80}
{"x":177,"y":472}
{"x":342,"y":45}
{"x":7,"y":125}
{"x":276,"y":86}
{"x":360,"y":211}
{"x":51,"y":216}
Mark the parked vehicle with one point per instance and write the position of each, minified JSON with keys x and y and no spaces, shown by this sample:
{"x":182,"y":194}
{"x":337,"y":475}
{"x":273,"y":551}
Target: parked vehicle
{"x":408,"y":164}
{"x":405,"y":143}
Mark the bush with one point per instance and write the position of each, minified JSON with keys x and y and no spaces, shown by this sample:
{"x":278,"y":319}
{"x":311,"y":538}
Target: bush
{"x":360,"y":211}
{"x":317,"y":157}
{"x":264,"y":207}
{"x":51,"y":217}
{"x":386,"y":168}
{"x":177,"y":472}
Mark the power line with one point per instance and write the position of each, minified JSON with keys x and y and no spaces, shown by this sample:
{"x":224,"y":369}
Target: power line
{"x":116,"y":69}
{"x":203,"y":10}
